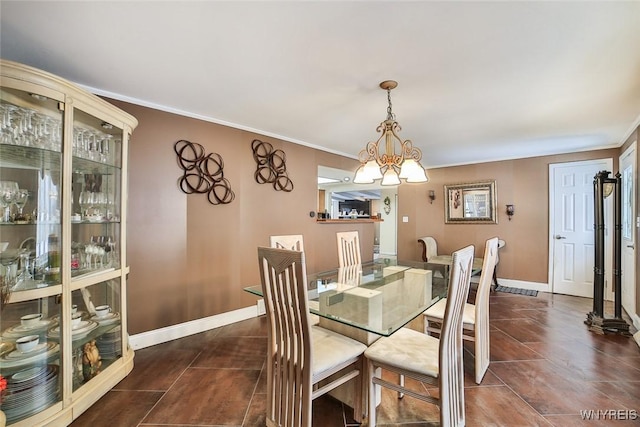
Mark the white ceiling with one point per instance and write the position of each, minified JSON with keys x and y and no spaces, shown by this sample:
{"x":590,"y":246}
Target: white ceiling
{"x":478,"y":81}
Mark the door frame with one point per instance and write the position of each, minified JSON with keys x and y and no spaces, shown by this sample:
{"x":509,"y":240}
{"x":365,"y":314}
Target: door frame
{"x":634,"y":220}
{"x":608,"y":236}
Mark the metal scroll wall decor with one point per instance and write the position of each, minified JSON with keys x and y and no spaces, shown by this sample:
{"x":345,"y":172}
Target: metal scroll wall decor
{"x":203,"y":174}
{"x":271,"y":167}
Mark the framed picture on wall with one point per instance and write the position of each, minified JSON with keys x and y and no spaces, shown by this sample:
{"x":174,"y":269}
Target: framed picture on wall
{"x":471,"y":203}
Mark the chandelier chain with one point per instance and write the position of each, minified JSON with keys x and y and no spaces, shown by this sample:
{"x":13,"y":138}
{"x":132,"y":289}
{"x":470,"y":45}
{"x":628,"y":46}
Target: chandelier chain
{"x":390,"y":115}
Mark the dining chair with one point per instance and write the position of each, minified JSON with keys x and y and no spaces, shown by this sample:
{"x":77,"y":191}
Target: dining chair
{"x":429,"y":247}
{"x":425,"y":358}
{"x":430,"y":250}
{"x":348,"y":248}
{"x":349,"y":276}
{"x":476,"y":316}
{"x":501,"y":244}
{"x":300,"y":357}
{"x":294,"y":242}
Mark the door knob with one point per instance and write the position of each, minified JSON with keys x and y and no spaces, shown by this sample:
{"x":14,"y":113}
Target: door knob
{"x":558,"y":237}
{"x":631,"y":246}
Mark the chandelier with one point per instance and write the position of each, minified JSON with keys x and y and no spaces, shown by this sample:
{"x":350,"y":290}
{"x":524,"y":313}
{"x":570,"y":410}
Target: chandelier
{"x":389,"y":165}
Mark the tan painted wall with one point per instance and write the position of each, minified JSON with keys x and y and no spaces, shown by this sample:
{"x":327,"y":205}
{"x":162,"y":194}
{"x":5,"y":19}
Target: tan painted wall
{"x":523,"y":183}
{"x":190,"y":259}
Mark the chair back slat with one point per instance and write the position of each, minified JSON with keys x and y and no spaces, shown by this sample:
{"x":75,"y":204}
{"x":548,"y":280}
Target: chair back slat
{"x":451,"y":350}
{"x":481,"y":342}
{"x":289,"y":347}
{"x":292,"y":242}
{"x":348,"y":248}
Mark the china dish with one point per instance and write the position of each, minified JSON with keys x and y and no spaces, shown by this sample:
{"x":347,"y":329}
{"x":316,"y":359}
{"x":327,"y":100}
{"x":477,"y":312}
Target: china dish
{"x":27,"y":343}
{"x":102,"y":311}
{"x":6,"y":347}
{"x":80,"y":325}
{"x":81,"y":331}
{"x":30,"y":391}
{"x":76,"y":321}
{"x":30,"y":320}
{"x":82,"y":314}
{"x":18,"y":331}
{"x":106,"y":320}
{"x":41,"y":353}
{"x":110,"y":344}
{"x":18,"y":354}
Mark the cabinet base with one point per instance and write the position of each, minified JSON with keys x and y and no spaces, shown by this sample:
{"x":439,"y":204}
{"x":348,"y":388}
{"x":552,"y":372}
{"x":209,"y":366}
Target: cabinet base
{"x":58,"y":416}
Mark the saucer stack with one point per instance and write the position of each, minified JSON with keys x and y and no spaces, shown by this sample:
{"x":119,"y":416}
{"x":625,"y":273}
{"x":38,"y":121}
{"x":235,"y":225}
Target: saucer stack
{"x":37,"y":328}
{"x":80,"y":330}
{"x":41,"y":354}
{"x":110,"y":344}
{"x":30,"y":391}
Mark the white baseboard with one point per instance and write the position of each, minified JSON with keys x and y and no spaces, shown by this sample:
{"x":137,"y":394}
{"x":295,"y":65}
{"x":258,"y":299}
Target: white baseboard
{"x":636,"y":322}
{"x":158,"y":336}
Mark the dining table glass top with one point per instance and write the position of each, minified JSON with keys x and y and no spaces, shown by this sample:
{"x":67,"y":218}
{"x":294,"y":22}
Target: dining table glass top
{"x":380,"y":296}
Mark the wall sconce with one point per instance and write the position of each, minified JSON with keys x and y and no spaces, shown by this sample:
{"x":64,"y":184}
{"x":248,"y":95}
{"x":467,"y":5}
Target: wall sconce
{"x":510,"y":211}
{"x":432,"y":196}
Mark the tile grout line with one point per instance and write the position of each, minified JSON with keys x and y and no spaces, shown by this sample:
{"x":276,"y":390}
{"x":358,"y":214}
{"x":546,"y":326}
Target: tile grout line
{"x":169,"y":388}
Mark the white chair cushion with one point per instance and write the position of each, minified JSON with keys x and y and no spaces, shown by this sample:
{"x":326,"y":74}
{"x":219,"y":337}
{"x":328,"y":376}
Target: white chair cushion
{"x":331,"y":349}
{"x":436,"y":311}
{"x":407,"y":349}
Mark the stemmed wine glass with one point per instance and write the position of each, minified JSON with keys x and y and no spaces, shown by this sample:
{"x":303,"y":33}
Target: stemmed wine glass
{"x":20,"y":200}
{"x":8,"y":191}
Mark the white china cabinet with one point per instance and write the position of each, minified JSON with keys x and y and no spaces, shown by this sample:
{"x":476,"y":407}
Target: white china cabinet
{"x":63,"y":263}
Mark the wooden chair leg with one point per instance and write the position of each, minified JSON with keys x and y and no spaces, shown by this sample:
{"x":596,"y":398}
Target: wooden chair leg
{"x":371,"y":371}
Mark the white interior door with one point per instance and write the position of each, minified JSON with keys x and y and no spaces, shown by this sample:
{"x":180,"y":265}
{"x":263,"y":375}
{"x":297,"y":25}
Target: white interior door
{"x":628,"y":172}
{"x":571,"y":210}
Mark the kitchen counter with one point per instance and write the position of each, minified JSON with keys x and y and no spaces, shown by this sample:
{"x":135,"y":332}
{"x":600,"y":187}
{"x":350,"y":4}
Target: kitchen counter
{"x":351,"y":221}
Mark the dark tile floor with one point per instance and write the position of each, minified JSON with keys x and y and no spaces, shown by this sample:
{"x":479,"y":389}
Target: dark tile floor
{"x":546,"y":367}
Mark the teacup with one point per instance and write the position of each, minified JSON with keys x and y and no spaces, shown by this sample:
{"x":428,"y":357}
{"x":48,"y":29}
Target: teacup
{"x":103,"y":310}
{"x":30,"y":320}
{"x":28,"y":343}
{"x":75,"y":320}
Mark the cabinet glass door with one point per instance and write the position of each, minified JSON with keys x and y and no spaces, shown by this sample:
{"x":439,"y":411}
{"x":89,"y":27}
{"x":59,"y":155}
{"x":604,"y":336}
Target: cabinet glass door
{"x":96,"y":330}
{"x":96,"y":195}
{"x":30,"y":191}
{"x":30,"y":357}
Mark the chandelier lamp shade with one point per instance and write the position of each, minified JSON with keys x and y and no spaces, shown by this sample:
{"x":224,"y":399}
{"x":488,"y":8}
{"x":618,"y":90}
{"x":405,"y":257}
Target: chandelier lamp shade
{"x":388,"y":165}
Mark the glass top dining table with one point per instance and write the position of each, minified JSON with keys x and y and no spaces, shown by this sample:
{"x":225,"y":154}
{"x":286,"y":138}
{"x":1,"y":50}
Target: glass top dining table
{"x":379,"y":297}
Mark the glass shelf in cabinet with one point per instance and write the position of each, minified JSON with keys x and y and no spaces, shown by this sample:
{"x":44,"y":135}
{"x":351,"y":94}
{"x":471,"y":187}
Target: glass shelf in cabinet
{"x":82,"y":165}
{"x":29,"y":157}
